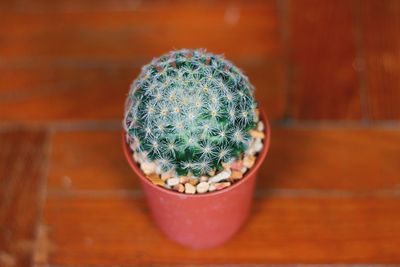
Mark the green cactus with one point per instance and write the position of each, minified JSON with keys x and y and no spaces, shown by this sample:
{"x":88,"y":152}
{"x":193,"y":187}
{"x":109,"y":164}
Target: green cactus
{"x":190,"y":111}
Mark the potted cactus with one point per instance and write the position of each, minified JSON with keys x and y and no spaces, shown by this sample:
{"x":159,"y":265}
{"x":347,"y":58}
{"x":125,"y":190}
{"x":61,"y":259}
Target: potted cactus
{"x":195,"y":137}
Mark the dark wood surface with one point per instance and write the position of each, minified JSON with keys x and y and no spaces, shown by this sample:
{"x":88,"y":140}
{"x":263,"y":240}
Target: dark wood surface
{"x":323,"y":80}
{"x":23,"y":159}
{"x":326,"y":72}
{"x":381,"y":22}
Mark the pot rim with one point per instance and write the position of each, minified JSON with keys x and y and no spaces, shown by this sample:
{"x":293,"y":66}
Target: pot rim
{"x":260,"y":158}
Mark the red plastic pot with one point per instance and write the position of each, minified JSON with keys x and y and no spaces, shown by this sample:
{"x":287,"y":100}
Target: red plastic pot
{"x":201,"y":220}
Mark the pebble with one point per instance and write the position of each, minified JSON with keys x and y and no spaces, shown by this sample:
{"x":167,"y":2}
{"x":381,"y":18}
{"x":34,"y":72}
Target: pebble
{"x":260,"y":126}
{"x":219,"y":186}
{"x":179,"y":187}
{"x":155,"y":179}
{"x":183,"y":179}
{"x":226,"y":165}
{"x":167,"y":175}
{"x":258,"y":145}
{"x":173,"y":181}
{"x":211,"y":173}
{"x":236,"y":175}
{"x":132,"y":147}
{"x":248,"y":161}
{"x":203,"y":179}
{"x":257,"y":134}
{"x":211,"y":187}
{"x":237,"y":165}
{"x":193,"y":181}
{"x":141,"y":157}
{"x":190,"y":189}
{"x":202,"y":187}
{"x":135,"y":157}
{"x":220,"y":176}
{"x":243,"y":170}
{"x":148,"y":167}
{"x":251,"y":150}
{"x":159,"y":169}
{"x":256,"y":115}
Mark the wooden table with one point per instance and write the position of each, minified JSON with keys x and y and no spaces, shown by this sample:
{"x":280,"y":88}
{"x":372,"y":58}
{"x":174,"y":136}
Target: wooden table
{"x":327,"y":193}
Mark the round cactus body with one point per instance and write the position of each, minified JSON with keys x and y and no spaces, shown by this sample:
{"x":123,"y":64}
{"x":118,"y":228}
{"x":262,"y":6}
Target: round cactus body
{"x":190,"y":111}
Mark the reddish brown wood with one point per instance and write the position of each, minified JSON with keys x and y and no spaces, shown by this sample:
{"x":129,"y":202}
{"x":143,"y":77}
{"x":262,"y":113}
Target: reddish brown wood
{"x":298,"y":159}
{"x":22,"y":158}
{"x":90,"y":93}
{"x":118,"y":230}
{"x":325,"y":195}
{"x":31,"y":95}
{"x":89,"y":161}
{"x":361,"y":160}
{"x":324,"y":83}
{"x":270,"y":92}
{"x":381,"y":24}
{"x":125,"y":33}
{"x":82,"y":58}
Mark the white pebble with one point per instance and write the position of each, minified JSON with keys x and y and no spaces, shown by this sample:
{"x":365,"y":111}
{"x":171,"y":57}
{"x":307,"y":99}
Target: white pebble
{"x":212,"y":187}
{"x":159,"y":169}
{"x":190,"y":189}
{"x":258,"y":145}
{"x":141,"y":158}
{"x":202,"y":187}
{"x":167,"y":175}
{"x":148,"y":167}
{"x":260,"y":126}
{"x":135,"y":157}
{"x":220,"y":176}
{"x":243,"y":170}
{"x":167,"y":186}
{"x":203,"y":179}
{"x":251,"y":150}
{"x":173,"y":181}
{"x":132,"y":147}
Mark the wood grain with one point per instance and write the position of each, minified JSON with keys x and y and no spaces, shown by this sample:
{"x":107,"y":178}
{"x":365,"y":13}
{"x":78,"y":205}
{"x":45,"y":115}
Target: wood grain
{"x":381,"y":23}
{"x":325,"y":194}
{"x":72,"y":32}
{"x":22,"y":158}
{"x":88,"y":92}
{"x":89,"y":161}
{"x":324,"y":84}
{"x":361,"y":160}
{"x":64,"y":94}
{"x":118,"y":230}
{"x":353,"y":159}
{"x":82,"y":57}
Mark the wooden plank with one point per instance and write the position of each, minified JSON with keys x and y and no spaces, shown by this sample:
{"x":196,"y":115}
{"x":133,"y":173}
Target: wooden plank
{"x":90,"y":92}
{"x":80,"y":58}
{"x":145,"y":31}
{"x":381,"y":24}
{"x":334,"y":159}
{"x":343,"y":159}
{"x":89,"y":160}
{"x":64,"y":94}
{"x":118,"y":230}
{"x":324,"y":84}
{"x":22,"y":158}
